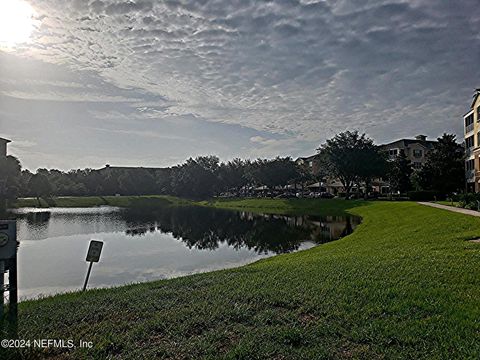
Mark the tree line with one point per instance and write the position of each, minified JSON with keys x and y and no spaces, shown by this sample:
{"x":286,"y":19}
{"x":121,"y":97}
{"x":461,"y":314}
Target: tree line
{"x":198,"y":177}
{"x":350,"y":157}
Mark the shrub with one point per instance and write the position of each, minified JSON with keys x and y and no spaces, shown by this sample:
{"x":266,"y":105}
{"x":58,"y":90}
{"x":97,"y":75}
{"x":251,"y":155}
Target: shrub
{"x":425,"y":195}
{"x":469,"y":200}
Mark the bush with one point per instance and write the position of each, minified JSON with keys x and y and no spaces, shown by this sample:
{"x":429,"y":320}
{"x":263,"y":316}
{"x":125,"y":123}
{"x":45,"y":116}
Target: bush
{"x":469,"y":200}
{"x":425,"y":195}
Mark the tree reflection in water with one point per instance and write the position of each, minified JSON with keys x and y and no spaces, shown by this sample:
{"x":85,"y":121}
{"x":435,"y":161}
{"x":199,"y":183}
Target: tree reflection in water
{"x":208,"y":228}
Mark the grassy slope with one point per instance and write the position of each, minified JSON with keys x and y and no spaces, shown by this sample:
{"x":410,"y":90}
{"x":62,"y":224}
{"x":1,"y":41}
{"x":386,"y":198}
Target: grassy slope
{"x":406,"y":284}
{"x":449,"y":203}
{"x":89,"y":201}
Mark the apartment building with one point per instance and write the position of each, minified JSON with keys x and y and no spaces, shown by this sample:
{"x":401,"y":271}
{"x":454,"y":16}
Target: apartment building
{"x":472,"y":144}
{"x":3,"y":147}
{"x":416,"y":149}
{"x":312,"y":163}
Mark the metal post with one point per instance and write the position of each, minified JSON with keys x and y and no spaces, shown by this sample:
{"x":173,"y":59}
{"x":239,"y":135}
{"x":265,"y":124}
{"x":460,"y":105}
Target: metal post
{"x":12,"y":287}
{"x":2,"y":287}
{"x":13,"y":296}
{"x":88,"y":275}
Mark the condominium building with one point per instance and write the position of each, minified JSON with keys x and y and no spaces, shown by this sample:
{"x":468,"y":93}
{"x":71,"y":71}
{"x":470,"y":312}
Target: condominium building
{"x":471,"y":121}
{"x":3,"y":147}
{"x":416,"y":149}
{"x":312,"y":163}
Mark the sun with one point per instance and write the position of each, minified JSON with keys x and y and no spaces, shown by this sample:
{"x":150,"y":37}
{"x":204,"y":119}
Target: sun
{"x":16,"y":22}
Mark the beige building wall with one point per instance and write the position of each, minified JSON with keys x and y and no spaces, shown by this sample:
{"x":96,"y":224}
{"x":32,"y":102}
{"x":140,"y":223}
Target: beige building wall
{"x":3,"y":147}
{"x":472,"y":153}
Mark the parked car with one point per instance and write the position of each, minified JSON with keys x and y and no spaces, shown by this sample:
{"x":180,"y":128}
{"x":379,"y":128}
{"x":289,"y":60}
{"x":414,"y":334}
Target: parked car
{"x":326,"y":195}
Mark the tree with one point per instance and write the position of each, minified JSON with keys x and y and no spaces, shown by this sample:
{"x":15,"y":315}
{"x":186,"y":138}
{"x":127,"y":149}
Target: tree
{"x":275,"y":172}
{"x":400,"y":172}
{"x":351,"y":158}
{"x":196,"y":177}
{"x":40,"y":186}
{"x":444,"y":171}
{"x":10,"y":171}
{"x":373,"y":163}
{"x":233,"y":174}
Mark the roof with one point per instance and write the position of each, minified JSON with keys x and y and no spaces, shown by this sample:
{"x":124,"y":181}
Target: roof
{"x":129,"y":168}
{"x":407,"y":142}
{"x":307,"y":158}
{"x":6,"y":141}
{"x":475,"y":97}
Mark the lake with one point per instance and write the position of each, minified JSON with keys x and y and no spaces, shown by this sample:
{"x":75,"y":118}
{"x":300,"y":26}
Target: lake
{"x":151,"y":243}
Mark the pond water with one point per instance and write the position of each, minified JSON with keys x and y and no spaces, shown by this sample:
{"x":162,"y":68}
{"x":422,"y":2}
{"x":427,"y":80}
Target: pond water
{"x":150,"y":243}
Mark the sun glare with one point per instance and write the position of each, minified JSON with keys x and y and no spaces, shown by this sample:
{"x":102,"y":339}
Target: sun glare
{"x":16,"y":22}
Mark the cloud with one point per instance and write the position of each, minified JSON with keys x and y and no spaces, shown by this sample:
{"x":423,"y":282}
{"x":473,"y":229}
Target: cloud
{"x":297,"y":70}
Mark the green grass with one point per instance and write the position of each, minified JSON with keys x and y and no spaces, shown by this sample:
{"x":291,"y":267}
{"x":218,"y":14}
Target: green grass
{"x":286,"y":206}
{"x":404,"y":285}
{"x":449,"y":203}
{"x":90,"y":201}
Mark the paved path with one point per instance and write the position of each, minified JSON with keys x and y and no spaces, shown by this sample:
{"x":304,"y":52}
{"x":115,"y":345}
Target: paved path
{"x":452,"y":208}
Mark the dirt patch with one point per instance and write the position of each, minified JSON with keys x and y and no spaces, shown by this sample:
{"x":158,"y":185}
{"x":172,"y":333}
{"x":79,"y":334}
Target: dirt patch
{"x":475,"y":240}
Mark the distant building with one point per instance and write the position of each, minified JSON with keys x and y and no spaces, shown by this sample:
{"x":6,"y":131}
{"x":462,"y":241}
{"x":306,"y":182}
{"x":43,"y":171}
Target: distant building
{"x":416,"y":149}
{"x":3,"y":147}
{"x":312,"y":163}
{"x":118,"y":170}
{"x":472,"y":144}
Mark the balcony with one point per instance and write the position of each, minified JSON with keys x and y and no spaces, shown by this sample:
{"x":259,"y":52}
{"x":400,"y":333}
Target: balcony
{"x":470,"y":175}
{"x":469,"y":128}
{"x":469,"y":152}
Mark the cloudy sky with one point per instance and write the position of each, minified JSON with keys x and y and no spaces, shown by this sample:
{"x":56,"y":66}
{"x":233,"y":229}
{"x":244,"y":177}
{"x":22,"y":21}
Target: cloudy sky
{"x":152,"y":83}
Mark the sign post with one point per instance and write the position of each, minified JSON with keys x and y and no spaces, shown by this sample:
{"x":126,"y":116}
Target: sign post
{"x":93,"y":255}
{"x":8,"y":261}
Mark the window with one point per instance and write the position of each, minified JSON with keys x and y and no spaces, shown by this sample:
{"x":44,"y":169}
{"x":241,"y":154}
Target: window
{"x":469,"y":142}
{"x":393,"y":152}
{"x":310,"y":163}
{"x":478,"y":113}
{"x":470,"y":164}
{"x":417,"y":165}
{"x":469,"y":119}
{"x":417,"y":153}
{"x":469,"y":123}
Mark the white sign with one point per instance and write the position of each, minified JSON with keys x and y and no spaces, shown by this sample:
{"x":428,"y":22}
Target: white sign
{"x":8,"y":239}
{"x":94,"y":251}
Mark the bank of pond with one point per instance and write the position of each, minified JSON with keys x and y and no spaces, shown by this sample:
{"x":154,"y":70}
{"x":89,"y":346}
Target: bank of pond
{"x":155,"y":240}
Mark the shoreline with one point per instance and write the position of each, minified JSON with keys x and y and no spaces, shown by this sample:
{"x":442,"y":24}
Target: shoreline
{"x":397,"y":287}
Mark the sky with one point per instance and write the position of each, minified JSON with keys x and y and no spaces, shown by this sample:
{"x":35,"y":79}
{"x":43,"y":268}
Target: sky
{"x":152,"y":83}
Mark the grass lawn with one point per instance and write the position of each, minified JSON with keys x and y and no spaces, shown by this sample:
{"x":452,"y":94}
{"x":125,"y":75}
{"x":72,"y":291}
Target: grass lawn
{"x":405,"y":284}
{"x":89,"y":201}
{"x":449,"y":203}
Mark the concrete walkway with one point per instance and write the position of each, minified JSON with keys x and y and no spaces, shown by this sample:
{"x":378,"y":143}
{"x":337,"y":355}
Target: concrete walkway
{"x":452,"y":208}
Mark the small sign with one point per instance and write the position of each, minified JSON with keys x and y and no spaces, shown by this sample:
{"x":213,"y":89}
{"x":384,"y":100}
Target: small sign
{"x":94,"y":251}
{"x":8,"y":239}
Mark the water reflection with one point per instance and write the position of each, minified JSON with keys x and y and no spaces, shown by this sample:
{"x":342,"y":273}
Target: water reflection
{"x":206,"y":228}
{"x":150,"y":242}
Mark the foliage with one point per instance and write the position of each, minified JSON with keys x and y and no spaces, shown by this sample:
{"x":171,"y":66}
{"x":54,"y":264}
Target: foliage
{"x":444,"y":170}
{"x":196,"y":177}
{"x":399,"y":174}
{"x":233,"y":175}
{"x":200,"y":177}
{"x":39,"y":186}
{"x":352,"y":158}
{"x":425,"y":195}
{"x":275,"y":172}
{"x":10,"y":170}
{"x":468,"y":200}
